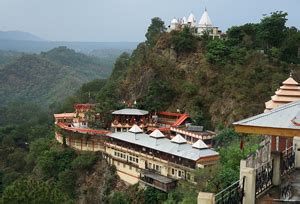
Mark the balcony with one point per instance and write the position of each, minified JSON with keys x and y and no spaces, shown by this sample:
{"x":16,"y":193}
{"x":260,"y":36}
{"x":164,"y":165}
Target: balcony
{"x":158,"y":181}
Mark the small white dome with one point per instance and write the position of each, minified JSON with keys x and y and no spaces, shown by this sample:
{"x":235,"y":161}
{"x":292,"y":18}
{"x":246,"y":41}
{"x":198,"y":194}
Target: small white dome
{"x":184,"y":21}
{"x":174,"y":21}
{"x":191,"y":18}
{"x":178,"y":139}
{"x":205,"y":20}
{"x":157,"y":134}
{"x":200,"y":145}
{"x":135,"y":129}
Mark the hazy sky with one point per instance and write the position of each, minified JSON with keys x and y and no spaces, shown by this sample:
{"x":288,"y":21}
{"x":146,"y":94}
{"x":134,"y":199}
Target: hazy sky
{"x":127,"y":20}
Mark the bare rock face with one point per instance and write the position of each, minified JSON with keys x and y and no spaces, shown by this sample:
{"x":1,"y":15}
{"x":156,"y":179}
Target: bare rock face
{"x":94,"y":187}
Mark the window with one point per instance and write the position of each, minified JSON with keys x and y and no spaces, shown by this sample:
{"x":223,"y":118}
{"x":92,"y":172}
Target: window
{"x":188,"y":175}
{"x":130,"y":158}
{"x":157,"y":168}
{"x":179,"y":173}
{"x":150,"y":165}
{"x":173,"y":172}
{"x":137,"y":160}
{"x":118,"y":129}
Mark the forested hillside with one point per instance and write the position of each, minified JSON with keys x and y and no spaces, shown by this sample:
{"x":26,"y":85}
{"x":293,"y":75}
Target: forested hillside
{"x":47,"y":77}
{"x":217,"y":81}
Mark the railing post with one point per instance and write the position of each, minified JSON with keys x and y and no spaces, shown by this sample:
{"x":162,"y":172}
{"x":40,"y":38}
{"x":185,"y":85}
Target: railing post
{"x":206,"y":198}
{"x":276,"y":180}
{"x":296,"y":142}
{"x":249,"y":185}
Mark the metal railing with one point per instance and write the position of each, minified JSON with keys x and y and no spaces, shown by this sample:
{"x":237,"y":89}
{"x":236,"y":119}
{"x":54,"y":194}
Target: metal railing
{"x":233,"y":194}
{"x":264,"y":175}
{"x":288,"y":161}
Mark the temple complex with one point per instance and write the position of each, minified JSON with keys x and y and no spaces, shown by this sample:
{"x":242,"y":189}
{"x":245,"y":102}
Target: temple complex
{"x":205,"y":25}
{"x":155,"y":149}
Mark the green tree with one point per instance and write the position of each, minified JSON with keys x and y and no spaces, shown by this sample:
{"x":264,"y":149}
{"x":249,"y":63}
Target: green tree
{"x":119,"y":198}
{"x":33,"y":191}
{"x":184,"y":41}
{"x":217,"y":52}
{"x":84,"y":161}
{"x":272,"y":29}
{"x":156,"y":28}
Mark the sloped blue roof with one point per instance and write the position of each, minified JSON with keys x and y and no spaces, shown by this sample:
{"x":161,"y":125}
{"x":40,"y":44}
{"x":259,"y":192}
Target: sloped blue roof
{"x":286,"y":116}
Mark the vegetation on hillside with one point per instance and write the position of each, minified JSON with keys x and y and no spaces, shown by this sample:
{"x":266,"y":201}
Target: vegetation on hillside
{"x":216,"y":81}
{"x":48,"y":77}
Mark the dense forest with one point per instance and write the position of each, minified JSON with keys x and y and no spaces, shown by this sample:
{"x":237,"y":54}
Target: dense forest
{"x":47,"y":77}
{"x":217,"y":81}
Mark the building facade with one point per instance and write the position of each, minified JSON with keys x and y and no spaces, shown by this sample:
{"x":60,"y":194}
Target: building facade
{"x":204,"y":26}
{"x":153,"y":159}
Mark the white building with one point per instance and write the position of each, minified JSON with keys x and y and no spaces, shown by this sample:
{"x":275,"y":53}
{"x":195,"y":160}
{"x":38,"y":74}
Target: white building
{"x":205,"y":25}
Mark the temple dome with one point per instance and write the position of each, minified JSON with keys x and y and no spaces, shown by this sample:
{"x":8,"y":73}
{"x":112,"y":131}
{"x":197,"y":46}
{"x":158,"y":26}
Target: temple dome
{"x":174,"y":21}
{"x":191,"y":18}
{"x":205,"y":20}
{"x":288,"y":92}
{"x":184,"y":21}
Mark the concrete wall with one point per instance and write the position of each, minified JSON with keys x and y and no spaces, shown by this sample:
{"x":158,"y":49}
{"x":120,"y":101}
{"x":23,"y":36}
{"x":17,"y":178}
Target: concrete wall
{"x":296,"y":142}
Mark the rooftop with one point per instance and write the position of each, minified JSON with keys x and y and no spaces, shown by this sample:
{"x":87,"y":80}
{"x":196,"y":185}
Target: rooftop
{"x":64,"y":115}
{"x":164,"y":145}
{"x":284,"y":117}
{"x":130,"y":111}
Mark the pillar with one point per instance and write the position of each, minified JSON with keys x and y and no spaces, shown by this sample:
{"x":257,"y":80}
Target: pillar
{"x":296,"y":142}
{"x":206,"y":198}
{"x":249,"y":185}
{"x":277,"y":156}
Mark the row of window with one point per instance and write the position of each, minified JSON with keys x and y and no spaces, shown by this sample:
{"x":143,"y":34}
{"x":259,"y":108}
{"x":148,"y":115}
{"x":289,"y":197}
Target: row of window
{"x":129,"y":158}
{"x":180,"y":173}
{"x":154,"y":167}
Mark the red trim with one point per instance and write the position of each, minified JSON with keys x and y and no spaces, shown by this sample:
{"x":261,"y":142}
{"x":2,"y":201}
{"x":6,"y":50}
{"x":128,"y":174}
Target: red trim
{"x":170,"y":114}
{"x":84,"y":106}
{"x":181,"y":120}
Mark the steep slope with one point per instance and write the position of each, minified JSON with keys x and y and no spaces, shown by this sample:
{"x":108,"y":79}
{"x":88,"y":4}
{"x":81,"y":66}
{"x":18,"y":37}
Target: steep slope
{"x":158,"y":78}
{"x":48,"y":77}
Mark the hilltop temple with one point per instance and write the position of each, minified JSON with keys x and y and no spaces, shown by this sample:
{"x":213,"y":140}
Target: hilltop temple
{"x":205,"y":25}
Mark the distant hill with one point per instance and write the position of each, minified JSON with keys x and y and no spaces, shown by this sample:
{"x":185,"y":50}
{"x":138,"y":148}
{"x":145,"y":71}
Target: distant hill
{"x":48,"y":77}
{"x":18,"y":35}
{"x":44,"y":46}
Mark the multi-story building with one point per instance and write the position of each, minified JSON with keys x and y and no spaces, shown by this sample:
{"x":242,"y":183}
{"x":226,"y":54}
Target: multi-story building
{"x":152,"y":159}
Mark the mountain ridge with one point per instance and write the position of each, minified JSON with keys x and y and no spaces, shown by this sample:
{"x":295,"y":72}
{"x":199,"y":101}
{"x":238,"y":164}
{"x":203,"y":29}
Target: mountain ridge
{"x":19,"y":36}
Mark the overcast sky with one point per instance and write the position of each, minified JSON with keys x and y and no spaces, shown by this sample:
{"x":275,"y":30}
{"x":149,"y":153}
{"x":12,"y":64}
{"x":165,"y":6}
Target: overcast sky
{"x":127,"y":20}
